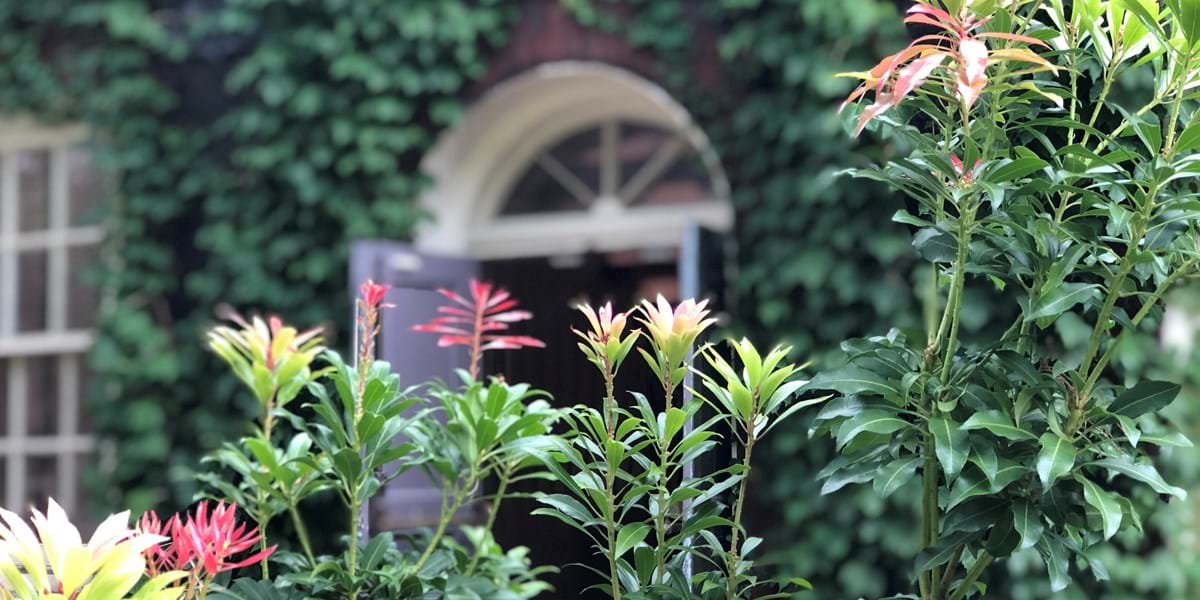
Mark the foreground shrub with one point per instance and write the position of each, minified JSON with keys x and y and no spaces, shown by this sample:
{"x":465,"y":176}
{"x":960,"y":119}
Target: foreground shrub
{"x":1019,"y":444}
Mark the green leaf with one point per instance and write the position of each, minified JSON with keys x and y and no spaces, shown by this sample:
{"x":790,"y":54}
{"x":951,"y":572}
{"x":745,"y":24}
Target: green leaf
{"x":968,"y":485}
{"x":1187,"y":15}
{"x":950,"y":442}
{"x":630,"y":536}
{"x":895,"y":474}
{"x":1105,"y":503}
{"x":674,"y":421}
{"x":975,"y":514}
{"x":1057,"y":562}
{"x":1145,"y":397}
{"x":935,"y":246}
{"x":941,"y":553}
{"x":1142,"y":472}
{"x":998,"y":423}
{"x":1189,"y":139}
{"x":874,"y":421}
{"x":1059,"y":299}
{"x":1055,"y":459}
{"x":852,"y":379}
{"x":1173,"y":439}
{"x":1027,"y":520}
{"x":1016,"y":169}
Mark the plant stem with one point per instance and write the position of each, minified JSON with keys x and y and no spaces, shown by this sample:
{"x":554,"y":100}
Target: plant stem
{"x":611,"y":531}
{"x":476,"y":342}
{"x":501,"y":488}
{"x":302,"y":533}
{"x":610,"y":402}
{"x":734,"y":556}
{"x":968,"y":582}
{"x":929,"y":507}
{"x":352,"y":551}
{"x":1173,"y":121}
{"x":263,"y":521}
{"x":951,"y":567}
{"x":954,"y":305}
{"x":449,"y":509}
{"x":660,"y":518}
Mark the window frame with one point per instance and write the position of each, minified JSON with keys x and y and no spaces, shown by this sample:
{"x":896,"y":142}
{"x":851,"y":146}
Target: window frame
{"x":57,"y":340}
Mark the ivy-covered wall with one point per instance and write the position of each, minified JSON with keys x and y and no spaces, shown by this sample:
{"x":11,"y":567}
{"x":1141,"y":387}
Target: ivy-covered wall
{"x":250,"y":139}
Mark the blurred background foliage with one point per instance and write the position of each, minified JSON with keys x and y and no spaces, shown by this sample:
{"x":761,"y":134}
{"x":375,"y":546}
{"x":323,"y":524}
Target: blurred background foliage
{"x":249,"y":141}
{"x":270,"y":132}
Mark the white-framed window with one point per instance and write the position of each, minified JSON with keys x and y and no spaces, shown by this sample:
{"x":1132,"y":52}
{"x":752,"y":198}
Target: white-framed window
{"x":50,"y":192}
{"x":569,"y":158}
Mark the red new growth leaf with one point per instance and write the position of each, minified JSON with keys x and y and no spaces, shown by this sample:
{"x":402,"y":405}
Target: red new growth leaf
{"x":473,"y":322}
{"x":215,"y":539}
{"x":956,"y":47}
{"x":203,"y":544}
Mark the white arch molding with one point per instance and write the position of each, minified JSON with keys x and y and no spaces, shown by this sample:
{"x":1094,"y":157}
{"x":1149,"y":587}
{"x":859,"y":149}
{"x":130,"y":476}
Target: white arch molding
{"x":475,"y":164}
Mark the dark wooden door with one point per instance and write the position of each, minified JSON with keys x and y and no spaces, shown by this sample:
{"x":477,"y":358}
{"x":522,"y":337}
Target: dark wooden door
{"x":411,"y":500}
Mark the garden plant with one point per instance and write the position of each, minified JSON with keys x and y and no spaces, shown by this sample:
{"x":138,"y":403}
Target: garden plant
{"x":627,"y":471}
{"x":1029,"y":171}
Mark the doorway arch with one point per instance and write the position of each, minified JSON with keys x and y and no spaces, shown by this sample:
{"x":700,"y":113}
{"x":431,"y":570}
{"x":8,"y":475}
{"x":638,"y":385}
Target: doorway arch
{"x":514,"y":132}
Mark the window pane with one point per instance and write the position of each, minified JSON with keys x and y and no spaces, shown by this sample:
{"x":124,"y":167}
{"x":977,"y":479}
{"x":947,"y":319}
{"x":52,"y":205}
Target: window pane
{"x":87,"y":384}
{"x":581,"y":155}
{"x":637,"y":144}
{"x":41,"y":395}
{"x":539,"y":192}
{"x":41,"y":473}
{"x":33,"y":190}
{"x":31,"y":291}
{"x":3,"y":404}
{"x":82,"y":292}
{"x":684,"y":181}
{"x":85,"y":187}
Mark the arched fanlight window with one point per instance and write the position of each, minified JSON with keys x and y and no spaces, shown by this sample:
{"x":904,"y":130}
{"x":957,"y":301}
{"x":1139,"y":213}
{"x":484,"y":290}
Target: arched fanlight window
{"x":570,"y":158}
{"x":612,"y":167}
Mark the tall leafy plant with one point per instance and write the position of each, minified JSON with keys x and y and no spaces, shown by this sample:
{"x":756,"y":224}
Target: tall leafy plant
{"x":664,"y":530}
{"x":357,"y":432}
{"x":1017,"y":185}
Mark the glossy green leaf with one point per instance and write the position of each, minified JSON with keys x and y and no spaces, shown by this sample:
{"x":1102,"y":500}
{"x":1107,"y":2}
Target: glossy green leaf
{"x":874,"y":421}
{"x":1027,"y":520}
{"x":1059,"y":299}
{"x":998,"y":423}
{"x":1055,"y":459}
{"x":1144,"y":397}
{"x":895,"y":474}
{"x":1104,"y":503}
{"x":1142,"y":472}
{"x":950,"y":442}
{"x":854,"y":380}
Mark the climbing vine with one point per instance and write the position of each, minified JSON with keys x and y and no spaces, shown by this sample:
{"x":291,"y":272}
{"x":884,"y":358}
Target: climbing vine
{"x":249,"y":140}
